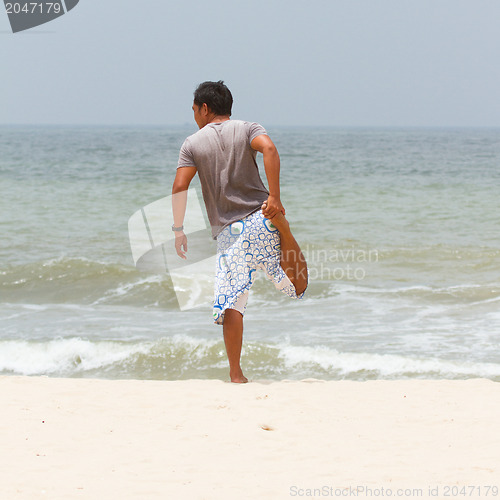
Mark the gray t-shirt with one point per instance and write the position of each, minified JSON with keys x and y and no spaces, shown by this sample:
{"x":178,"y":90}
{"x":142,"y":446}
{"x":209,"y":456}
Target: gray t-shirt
{"x":231,"y":185}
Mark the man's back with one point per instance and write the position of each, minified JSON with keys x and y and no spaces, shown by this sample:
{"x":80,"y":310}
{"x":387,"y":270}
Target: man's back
{"x":225,"y":161}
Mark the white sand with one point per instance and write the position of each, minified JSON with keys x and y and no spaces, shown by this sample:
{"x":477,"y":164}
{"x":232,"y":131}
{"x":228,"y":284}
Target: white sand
{"x":197,"y":439}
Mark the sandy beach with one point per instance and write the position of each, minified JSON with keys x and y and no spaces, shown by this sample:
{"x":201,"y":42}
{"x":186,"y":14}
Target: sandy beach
{"x":208,"y":439}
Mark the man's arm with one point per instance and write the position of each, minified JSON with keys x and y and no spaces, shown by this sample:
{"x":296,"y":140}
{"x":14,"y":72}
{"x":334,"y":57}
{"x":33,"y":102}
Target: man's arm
{"x":180,"y":186}
{"x":265,"y":145}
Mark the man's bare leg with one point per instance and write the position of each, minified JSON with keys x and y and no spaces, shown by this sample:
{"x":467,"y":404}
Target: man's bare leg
{"x":292,"y":260}
{"x":233,"y":338}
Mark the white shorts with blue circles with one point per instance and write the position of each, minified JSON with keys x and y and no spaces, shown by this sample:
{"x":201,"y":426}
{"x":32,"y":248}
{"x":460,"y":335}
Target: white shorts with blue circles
{"x":243,"y":247}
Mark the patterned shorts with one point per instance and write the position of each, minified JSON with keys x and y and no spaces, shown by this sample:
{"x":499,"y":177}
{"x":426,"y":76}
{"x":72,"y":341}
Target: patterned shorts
{"x":243,"y":247}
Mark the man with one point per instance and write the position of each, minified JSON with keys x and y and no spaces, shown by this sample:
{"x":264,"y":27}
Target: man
{"x":247,"y":220}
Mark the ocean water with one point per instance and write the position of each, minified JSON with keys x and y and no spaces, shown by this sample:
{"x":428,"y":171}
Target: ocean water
{"x":400,"y":228}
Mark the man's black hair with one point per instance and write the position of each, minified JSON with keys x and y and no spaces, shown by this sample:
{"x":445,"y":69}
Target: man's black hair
{"x":217,"y":97}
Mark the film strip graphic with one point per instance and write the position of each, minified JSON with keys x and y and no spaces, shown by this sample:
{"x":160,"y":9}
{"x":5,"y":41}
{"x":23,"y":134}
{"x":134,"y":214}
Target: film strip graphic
{"x":26,"y":15}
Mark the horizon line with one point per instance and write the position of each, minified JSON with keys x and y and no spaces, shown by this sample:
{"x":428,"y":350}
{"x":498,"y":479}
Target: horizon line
{"x":189,"y":125}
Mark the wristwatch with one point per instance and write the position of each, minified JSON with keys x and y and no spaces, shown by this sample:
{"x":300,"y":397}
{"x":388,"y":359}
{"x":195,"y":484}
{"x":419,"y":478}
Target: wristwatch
{"x":177,"y":228}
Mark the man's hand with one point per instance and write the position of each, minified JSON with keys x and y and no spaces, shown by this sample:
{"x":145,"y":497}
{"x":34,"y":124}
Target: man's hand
{"x":181,"y":242}
{"x":273,"y":206}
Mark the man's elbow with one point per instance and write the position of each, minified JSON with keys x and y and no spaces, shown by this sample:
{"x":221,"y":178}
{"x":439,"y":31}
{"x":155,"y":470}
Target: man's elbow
{"x":182,"y":179}
{"x":179,"y":185}
{"x":269,"y":147}
{"x":270,"y":151}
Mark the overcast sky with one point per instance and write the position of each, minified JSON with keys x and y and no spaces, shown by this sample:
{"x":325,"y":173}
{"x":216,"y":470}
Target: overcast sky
{"x":287,"y":62}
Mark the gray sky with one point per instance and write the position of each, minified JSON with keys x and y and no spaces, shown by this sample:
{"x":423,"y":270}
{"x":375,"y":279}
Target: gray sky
{"x":287,"y":62}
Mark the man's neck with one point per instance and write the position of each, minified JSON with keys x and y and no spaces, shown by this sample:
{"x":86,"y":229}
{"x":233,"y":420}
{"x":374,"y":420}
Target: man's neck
{"x":219,"y":119}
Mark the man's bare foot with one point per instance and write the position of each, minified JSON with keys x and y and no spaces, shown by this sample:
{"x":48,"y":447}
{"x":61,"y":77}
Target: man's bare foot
{"x":239,"y":378}
{"x":292,"y":260}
